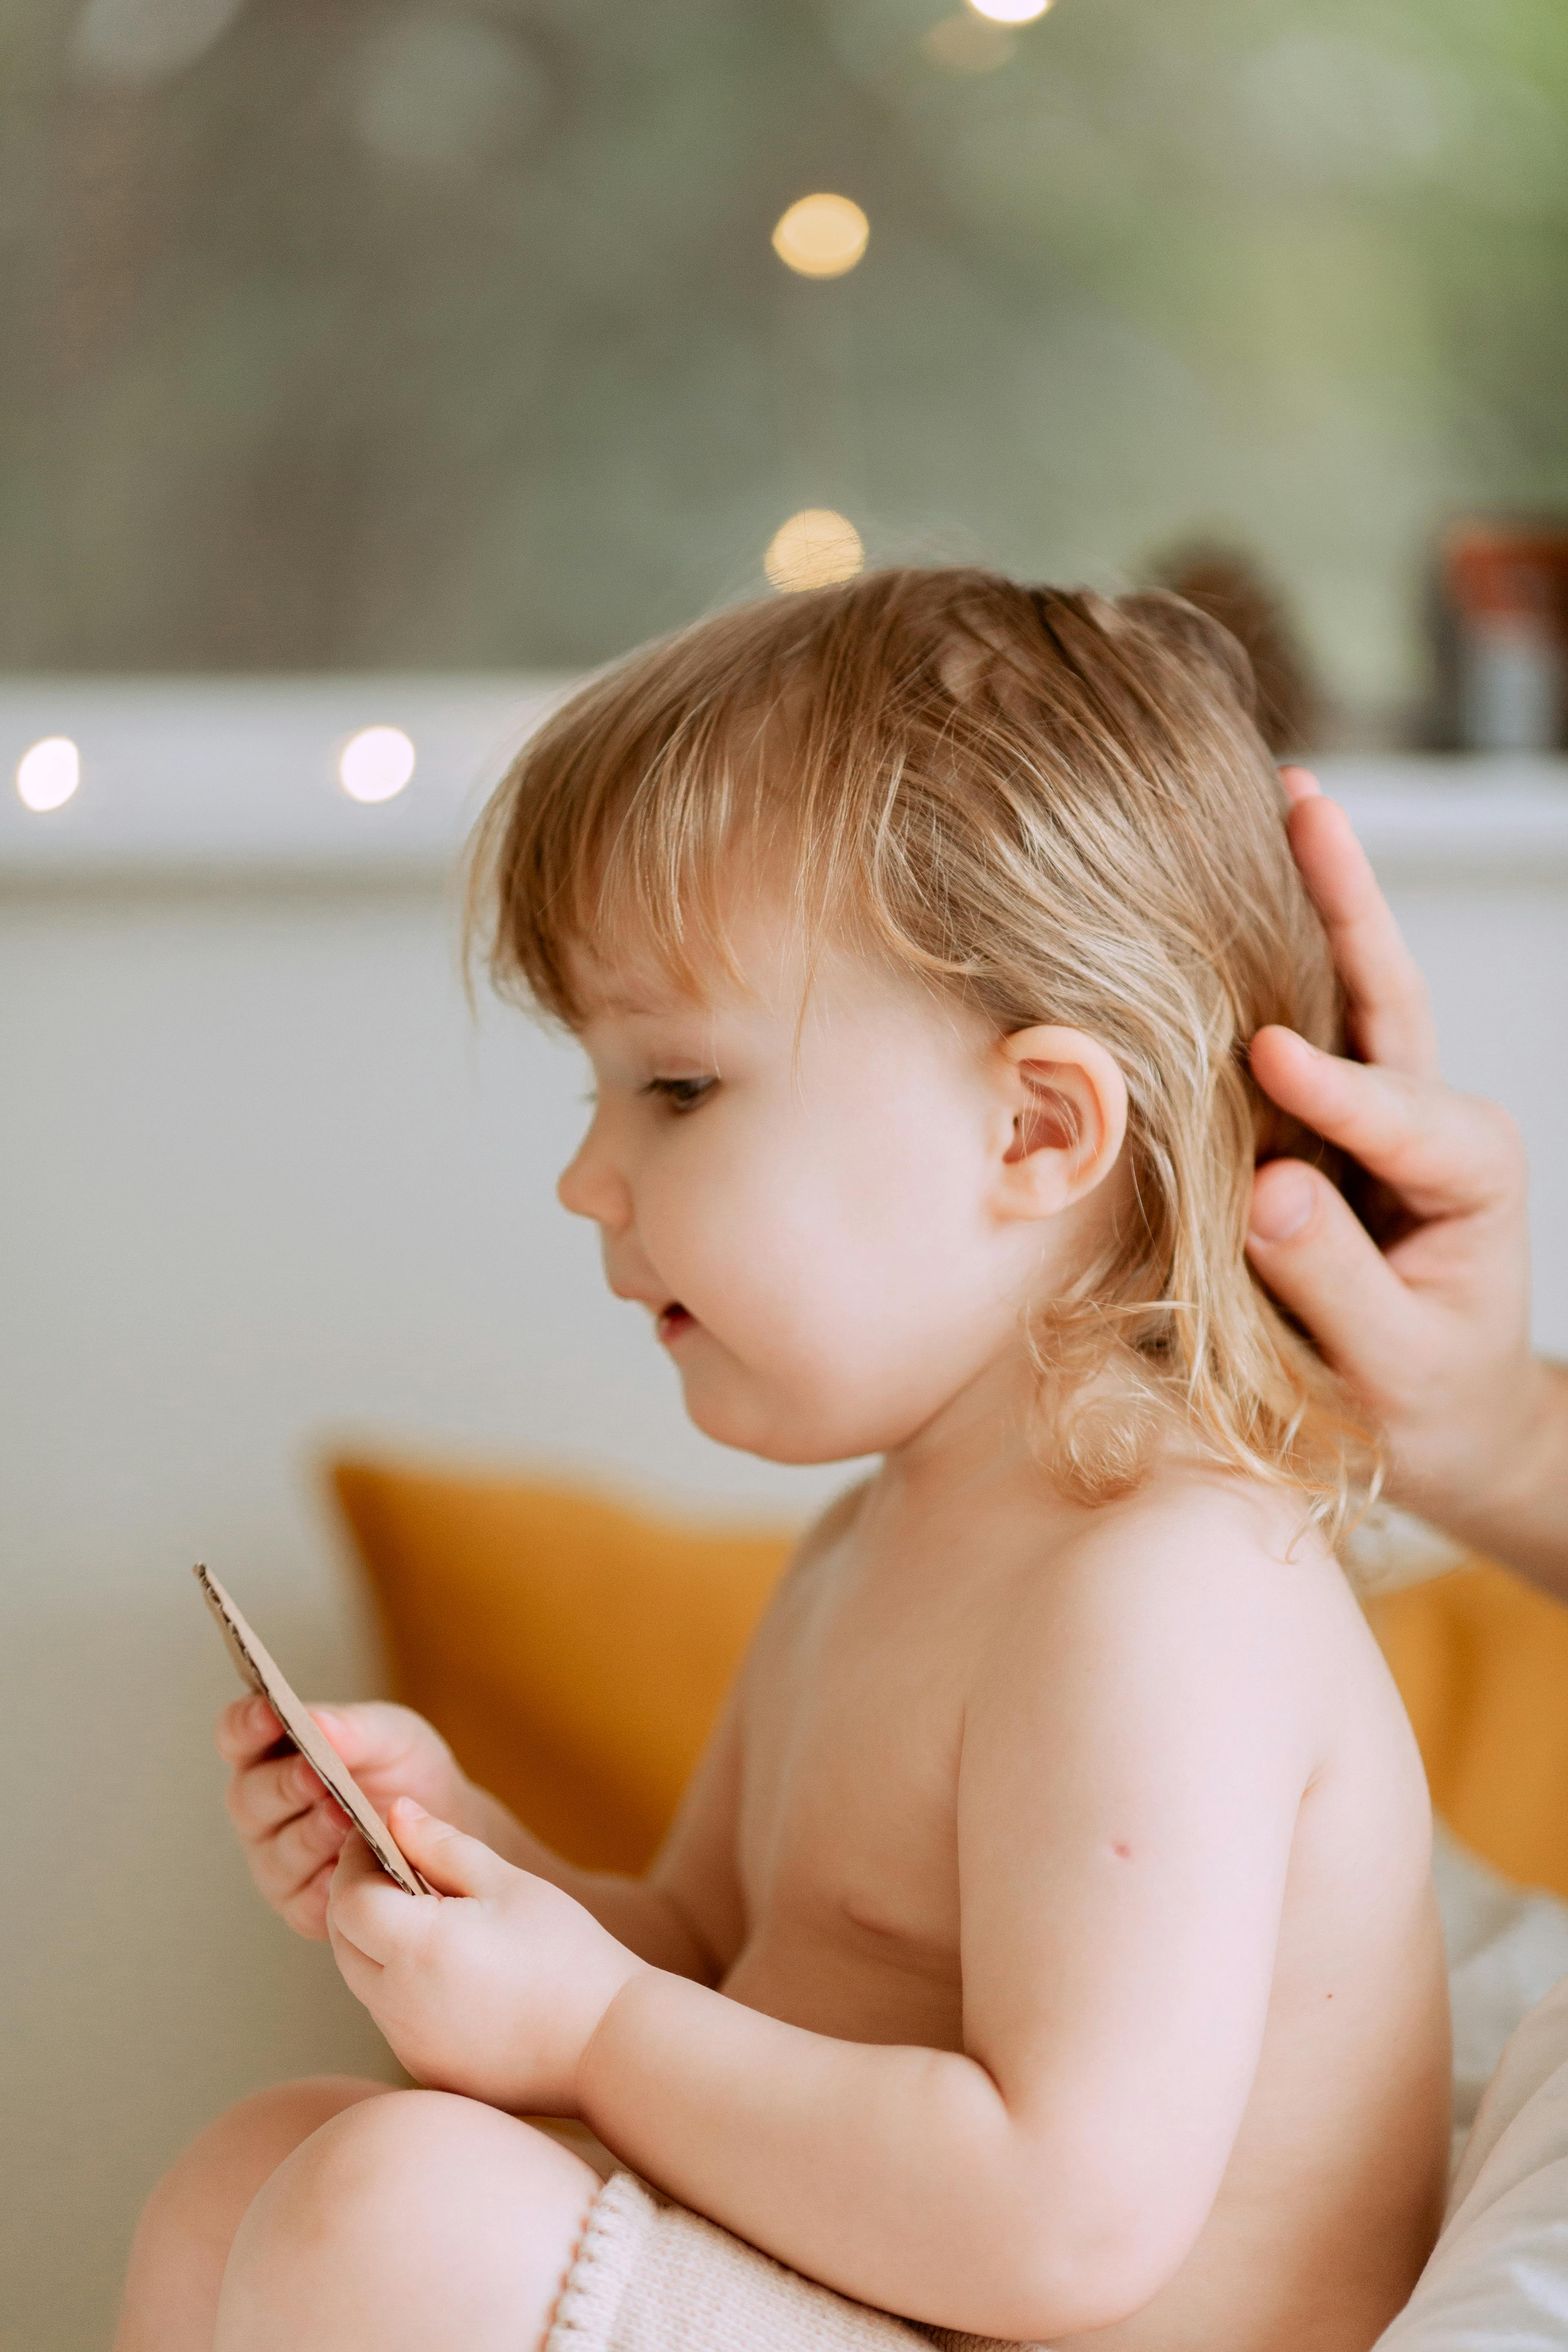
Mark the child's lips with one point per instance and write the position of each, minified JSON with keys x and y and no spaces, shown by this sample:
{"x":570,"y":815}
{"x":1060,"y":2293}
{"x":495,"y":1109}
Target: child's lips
{"x":673,"y":1321}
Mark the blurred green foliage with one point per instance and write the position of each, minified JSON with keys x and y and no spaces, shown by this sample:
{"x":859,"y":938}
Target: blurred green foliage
{"x":347,"y":332}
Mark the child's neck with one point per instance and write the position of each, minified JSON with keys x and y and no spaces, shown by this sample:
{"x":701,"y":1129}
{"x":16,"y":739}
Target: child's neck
{"x":979,"y":1438}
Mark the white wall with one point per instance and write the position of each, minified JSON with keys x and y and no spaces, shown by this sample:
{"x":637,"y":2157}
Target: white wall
{"x":263,"y":1186}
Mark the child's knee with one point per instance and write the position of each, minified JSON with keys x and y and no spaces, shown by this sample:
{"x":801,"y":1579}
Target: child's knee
{"x":207,"y":2191}
{"x":419,"y":2178}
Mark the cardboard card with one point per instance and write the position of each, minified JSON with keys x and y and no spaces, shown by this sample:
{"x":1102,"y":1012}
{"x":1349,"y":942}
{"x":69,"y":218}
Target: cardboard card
{"x":257,"y":1668}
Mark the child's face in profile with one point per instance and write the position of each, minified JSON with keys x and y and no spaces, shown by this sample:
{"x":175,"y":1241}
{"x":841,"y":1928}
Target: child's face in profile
{"x":823,"y":1234}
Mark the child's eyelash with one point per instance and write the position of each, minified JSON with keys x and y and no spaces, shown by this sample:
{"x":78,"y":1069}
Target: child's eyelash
{"x":681,"y":1094}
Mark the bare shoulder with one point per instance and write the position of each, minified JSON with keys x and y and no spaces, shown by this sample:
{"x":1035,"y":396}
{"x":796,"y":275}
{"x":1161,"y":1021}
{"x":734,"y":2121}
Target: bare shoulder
{"x":1214,"y":1589}
{"x":1189,"y":1539}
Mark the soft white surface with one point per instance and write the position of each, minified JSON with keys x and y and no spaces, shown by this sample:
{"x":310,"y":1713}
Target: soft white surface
{"x":1498,"y":2279}
{"x":1508,"y":1947}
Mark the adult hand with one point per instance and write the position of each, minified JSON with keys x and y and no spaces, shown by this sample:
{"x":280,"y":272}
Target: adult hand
{"x":1434,"y":1333}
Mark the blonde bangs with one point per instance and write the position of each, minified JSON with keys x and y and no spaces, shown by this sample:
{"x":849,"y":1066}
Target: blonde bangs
{"x":617,"y":838}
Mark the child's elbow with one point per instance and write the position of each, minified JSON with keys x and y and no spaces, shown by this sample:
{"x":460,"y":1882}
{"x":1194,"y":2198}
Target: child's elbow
{"x":1089,"y":2263}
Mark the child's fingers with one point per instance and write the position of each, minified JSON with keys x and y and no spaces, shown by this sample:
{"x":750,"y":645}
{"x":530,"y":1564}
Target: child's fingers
{"x":244,"y":1730}
{"x":374,"y":1737}
{"x":454,"y":1864}
{"x":306,"y":1909}
{"x":261,"y":1798}
{"x":364,"y":1905}
{"x":360,"y":1972}
{"x":302,"y":1847}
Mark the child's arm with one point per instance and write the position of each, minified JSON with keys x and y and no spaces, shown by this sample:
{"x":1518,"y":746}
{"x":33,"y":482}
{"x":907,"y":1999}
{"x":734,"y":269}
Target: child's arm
{"x":1134,"y":1756}
{"x":685,"y":1915}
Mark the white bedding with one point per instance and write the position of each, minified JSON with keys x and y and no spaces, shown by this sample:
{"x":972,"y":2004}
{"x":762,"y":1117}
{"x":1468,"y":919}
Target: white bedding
{"x":1498,"y":2279}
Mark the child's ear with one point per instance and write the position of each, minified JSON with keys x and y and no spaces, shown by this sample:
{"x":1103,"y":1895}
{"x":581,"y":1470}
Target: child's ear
{"x":1066,"y":1102}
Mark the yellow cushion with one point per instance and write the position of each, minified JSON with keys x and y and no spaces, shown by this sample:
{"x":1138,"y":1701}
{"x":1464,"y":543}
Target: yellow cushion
{"x":1481,"y":1660}
{"x":574,"y":1653}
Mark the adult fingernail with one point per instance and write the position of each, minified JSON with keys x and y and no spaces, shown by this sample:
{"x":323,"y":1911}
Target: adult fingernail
{"x":412,"y":1809}
{"x":1281,"y":1204}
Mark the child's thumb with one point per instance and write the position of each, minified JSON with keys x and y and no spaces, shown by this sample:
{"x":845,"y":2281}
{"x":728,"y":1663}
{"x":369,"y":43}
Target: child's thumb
{"x":453,"y":1863}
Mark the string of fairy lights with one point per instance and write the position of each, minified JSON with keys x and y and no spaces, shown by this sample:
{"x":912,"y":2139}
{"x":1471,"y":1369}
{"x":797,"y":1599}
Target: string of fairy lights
{"x":822,"y":235}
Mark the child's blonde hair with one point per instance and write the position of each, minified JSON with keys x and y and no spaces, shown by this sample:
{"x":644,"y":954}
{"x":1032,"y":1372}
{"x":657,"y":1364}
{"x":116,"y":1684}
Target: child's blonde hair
{"x":1056,"y":807}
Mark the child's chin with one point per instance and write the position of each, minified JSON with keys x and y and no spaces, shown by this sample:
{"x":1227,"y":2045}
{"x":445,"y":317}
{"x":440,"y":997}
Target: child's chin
{"x":770,"y":1437}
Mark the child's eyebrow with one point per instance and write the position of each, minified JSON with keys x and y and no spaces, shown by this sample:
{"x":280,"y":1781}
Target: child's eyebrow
{"x":614,"y":1006}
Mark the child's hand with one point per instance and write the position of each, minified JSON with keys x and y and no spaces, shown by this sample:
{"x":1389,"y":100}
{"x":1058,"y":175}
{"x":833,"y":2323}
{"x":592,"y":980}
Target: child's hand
{"x":493,"y":1986}
{"x":291,"y":1831}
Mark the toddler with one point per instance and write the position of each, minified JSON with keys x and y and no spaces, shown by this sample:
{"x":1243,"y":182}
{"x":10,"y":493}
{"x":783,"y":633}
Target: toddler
{"x":1045,"y":1949}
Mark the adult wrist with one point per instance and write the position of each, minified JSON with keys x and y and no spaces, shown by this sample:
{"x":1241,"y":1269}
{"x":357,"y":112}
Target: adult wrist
{"x":1505,"y":1492}
{"x":1530,"y":1508}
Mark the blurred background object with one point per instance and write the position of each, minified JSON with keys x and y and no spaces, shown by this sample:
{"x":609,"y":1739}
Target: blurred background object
{"x":450,"y":333}
{"x":1227,"y":586}
{"x":1502,"y":637}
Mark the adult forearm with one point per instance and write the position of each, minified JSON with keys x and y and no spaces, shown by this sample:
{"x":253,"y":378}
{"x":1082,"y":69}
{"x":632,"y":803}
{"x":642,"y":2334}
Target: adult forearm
{"x":641,"y":1917}
{"x":895,"y":2175}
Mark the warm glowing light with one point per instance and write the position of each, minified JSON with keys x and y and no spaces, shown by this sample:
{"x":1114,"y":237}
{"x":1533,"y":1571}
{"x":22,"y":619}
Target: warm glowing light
{"x":50,"y":773}
{"x":1010,"y":12}
{"x":376,"y":764}
{"x":812,"y":550}
{"x":968,"y":44}
{"x":821,"y":236}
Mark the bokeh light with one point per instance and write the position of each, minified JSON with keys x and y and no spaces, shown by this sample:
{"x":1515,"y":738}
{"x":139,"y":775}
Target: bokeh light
{"x":969,"y":44}
{"x":376,"y":764}
{"x":136,"y":44}
{"x":812,"y":550}
{"x":1010,"y":12}
{"x":50,"y":773}
{"x":822,"y":236}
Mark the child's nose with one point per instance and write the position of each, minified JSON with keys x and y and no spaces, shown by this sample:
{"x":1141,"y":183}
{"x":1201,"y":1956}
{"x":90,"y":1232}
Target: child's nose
{"x":590,"y":1187}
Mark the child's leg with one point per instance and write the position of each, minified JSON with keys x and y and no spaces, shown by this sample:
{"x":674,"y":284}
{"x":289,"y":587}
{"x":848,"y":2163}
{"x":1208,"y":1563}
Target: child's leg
{"x":418,"y":2223}
{"x":183,"y":2241}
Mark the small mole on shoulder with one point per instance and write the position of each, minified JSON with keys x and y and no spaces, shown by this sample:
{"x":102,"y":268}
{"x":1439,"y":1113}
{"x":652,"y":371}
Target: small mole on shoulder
{"x":1125,"y":1851}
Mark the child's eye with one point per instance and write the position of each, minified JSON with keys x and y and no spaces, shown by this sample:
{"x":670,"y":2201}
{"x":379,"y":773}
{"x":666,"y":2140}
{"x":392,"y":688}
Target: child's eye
{"x":681,"y":1094}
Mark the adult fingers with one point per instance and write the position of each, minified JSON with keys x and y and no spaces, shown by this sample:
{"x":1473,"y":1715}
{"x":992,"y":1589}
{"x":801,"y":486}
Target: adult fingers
{"x":1390,"y":1012}
{"x":1318,"y":1258}
{"x":1444,"y":1153}
{"x":1300,"y":783}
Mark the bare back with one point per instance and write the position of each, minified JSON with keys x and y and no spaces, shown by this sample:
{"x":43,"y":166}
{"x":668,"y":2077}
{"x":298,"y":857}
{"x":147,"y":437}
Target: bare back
{"x":863,"y":1784}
